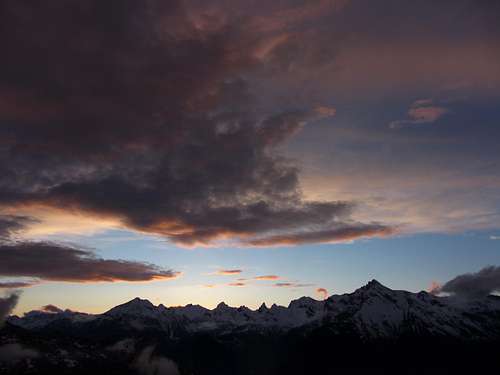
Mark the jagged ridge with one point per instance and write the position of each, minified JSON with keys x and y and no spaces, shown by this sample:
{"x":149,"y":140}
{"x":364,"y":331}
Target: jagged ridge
{"x":372,"y":311}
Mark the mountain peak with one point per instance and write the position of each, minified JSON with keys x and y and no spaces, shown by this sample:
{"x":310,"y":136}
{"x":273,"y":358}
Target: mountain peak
{"x":134,"y":306}
{"x":222,"y":305}
{"x":374,"y":284}
{"x":139,"y":302}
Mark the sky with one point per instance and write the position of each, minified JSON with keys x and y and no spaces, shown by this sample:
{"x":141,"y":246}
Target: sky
{"x":247,"y":151}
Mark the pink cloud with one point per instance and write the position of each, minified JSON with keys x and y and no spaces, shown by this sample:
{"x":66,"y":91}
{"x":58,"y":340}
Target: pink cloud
{"x":422,"y":111}
{"x":267,"y":277}
{"x":228,"y":272}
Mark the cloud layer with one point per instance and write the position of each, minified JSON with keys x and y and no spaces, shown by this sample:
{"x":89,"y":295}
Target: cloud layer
{"x":51,"y":261}
{"x":54,"y":262}
{"x":145,"y":112}
{"x":472,"y":285}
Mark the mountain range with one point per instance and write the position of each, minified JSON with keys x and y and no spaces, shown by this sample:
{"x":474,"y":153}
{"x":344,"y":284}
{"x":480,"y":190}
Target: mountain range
{"x":137,"y":336}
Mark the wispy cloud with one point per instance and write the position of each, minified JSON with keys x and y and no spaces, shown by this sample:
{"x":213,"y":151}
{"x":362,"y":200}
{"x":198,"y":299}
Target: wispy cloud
{"x":422,"y":111}
{"x":334,"y":235}
{"x":238,"y":284}
{"x":267,"y":277}
{"x":292,"y":285}
{"x":495,"y":238}
{"x":18,"y":284}
{"x":210,"y":286}
{"x":228,"y":272}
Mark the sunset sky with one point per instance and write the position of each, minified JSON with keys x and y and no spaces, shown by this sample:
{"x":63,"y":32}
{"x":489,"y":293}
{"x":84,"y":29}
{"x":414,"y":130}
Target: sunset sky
{"x":246,"y":151}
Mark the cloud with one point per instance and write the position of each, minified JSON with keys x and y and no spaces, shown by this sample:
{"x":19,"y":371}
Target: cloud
{"x":472,"y":285}
{"x":51,"y":309}
{"x":421,"y":112}
{"x":210,"y":286}
{"x":10,"y":225}
{"x":15,"y":352}
{"x":7,"y":304}
{"x":434,"y":288}
{"x":284,"y":285}
{"x":149,"y":364}
{"x":149,"y":124}
{"x":267,"y":277}
{"x":17,"y":284}
{"x":51,"y":261}
{"x":238,"y":284}
{"x":322,"y":292}
{"x":55,"y":262}
{"x":292,"y":285}
{"x":494,"y":238}
{"x":228,"y":272}
{"x":343,"y":234}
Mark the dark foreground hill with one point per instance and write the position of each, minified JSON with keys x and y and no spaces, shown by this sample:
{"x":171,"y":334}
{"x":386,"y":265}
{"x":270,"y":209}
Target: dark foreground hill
{"x":374,"y":330}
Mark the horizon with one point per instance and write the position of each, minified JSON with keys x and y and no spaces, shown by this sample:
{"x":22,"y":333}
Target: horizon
{"x":56,"y":309}
{"x":247,"y":151}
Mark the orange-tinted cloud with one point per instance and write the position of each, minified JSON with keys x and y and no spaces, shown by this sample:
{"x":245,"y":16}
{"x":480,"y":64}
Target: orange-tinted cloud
{"x":267,"y":277}
{"x":43,"y":260}
{"x":230,"y":272}
{"x":434,"y":288}
{"x":210,"y":286}
{"x":237,"y":284}
{"x":322,"y":292}
{"x":55,"y":262}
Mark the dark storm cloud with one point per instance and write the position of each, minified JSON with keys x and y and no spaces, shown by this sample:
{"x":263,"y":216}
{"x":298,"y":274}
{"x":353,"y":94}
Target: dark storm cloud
{"x":55,"y":262}
{"x":478,"y":284}
{"x":7,"y":304}
{"x":139,"y":110}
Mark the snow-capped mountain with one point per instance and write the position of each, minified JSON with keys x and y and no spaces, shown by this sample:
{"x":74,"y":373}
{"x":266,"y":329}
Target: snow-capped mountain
{"x":372,"y":311}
